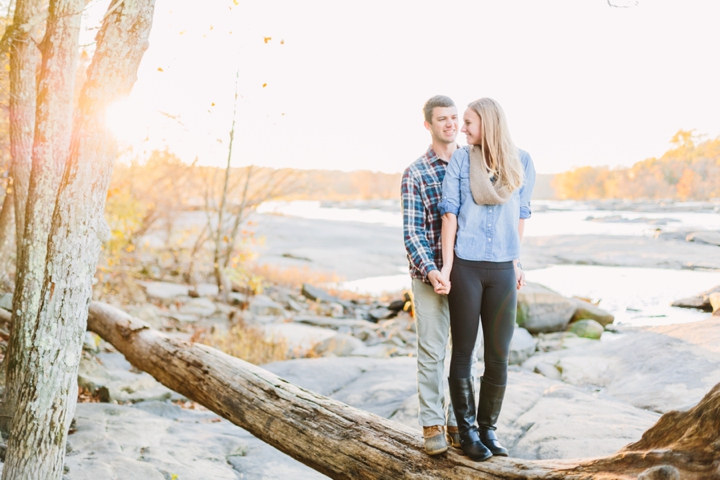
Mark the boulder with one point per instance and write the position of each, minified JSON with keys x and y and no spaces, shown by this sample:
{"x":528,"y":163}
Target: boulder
{"x":202,"y":307}
{"x":705,"y":237}
{"x":238,"y":299}
{"x":336,"y":310}
{"x":91,"y":342}
{"x":715,"y":302}
{"x":692,"y":302}
{"x":263,"y":305}
{"x":543,"y":310}
{"x":547,"y":370}
{"x":148,"y":313}
{"x":585,"y":310}
{"x":182,"y":317}
{"x":334,"y":322}
{"x":380,"y":350}
{"x":318,"y":294}
{"x":522,"y":346}
{"x":6,"y":301}
{"x":164,"y":290}
{"x":381,"y":313}
{"x":300,"y":338}
{"x":207,"y":289}
{"x":548,"y":342}
{"x":701,"y":301}
{"x":340,"y":345}
{"x":397,"y":305}
{"x":587,"y":329}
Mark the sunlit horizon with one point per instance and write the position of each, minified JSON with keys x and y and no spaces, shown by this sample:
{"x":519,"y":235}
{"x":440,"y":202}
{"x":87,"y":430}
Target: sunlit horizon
{"x":318,"y":89}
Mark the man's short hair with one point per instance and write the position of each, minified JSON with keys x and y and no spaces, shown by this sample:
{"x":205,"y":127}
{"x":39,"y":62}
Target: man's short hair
{"x":436,"y":101}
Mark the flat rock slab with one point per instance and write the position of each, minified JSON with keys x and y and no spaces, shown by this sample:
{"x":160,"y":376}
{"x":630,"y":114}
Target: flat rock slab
{"x":157,"y":440}
{"x":617,"y":250}
{"x":379,"y":386}
{"x":300,"y":338}
{"x":110,"y":371}
{"x":544,"y":419}
{"x":167,"y":290}
{"x":658,"y":368}
{"x":541,"y":418}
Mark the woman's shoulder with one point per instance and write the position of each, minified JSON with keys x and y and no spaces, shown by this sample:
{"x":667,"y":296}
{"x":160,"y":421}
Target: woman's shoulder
{"x":525,"y":157}
{"x":461,"y":154}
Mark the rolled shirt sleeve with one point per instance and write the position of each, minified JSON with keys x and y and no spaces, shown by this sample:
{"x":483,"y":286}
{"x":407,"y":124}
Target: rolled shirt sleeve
{"x":526,"y":190}
{"x":450,"y":202}
{"x":416,"y":244}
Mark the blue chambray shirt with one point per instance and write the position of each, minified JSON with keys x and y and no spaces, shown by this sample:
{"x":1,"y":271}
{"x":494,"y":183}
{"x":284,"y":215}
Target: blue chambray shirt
{"x":485,"y":232}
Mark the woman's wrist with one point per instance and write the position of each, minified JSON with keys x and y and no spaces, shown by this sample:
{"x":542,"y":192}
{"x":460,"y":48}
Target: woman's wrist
{"x":518,"y":264}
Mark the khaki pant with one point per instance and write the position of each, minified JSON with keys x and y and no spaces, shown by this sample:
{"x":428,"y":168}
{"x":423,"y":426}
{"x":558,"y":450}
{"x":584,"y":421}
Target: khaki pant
{"x":433,"y":332}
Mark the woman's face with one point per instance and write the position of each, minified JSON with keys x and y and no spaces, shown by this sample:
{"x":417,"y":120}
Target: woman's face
{"x":472,"y":127}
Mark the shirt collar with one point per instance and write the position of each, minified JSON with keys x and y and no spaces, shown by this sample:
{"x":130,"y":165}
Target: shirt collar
{"x":432,"y":157}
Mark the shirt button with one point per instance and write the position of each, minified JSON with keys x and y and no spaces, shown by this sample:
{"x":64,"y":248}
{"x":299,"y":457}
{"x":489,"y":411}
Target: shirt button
{"x":488,"y":239}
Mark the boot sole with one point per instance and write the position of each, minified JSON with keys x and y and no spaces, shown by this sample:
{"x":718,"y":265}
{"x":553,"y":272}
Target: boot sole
{"x":480,"y":459}
{"x":438,"y":452}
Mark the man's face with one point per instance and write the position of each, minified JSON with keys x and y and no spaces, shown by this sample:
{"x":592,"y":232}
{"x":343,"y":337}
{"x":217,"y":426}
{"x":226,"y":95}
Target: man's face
{"x":444,"y":125}
{"x":472,"y":127}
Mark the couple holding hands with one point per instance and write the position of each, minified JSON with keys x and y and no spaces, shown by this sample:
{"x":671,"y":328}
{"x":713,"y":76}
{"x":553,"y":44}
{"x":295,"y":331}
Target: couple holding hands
{"x":464,"y":210}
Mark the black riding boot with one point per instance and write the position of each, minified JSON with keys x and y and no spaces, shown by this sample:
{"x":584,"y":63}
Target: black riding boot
{"x":491,"y":399}
{"x":463,"y":402}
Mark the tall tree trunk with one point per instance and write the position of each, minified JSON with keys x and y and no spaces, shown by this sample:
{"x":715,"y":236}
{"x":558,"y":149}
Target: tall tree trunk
{"x":53,"y":127}
{"x":24,"y":59}
{"x":346,"y":443}
{"x":47,"y":395}
{"x":7,"y":235}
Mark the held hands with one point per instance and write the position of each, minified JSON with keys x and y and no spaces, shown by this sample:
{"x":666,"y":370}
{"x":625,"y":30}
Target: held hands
{"x":520,"y":275}
{"x":440,"y":282}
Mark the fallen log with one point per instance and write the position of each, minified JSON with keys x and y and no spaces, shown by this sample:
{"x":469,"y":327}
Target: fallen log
{"x":343,"y":442}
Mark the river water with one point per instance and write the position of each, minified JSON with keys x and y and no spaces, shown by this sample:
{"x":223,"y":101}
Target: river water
{"x":636,"y":296}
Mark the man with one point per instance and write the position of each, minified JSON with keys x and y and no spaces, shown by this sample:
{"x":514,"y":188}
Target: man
{"x":421,"y":193}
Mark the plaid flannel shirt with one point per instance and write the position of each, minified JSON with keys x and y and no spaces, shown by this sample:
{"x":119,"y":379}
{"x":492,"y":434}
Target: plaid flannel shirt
{"x":421,"y":194}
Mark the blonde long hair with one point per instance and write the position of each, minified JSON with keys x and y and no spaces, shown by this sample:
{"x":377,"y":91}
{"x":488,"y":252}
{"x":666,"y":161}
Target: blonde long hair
{"x":500,"y":153}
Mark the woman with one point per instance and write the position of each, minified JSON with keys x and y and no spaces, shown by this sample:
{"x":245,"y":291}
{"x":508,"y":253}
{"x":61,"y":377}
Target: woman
{"x":486,"y":199}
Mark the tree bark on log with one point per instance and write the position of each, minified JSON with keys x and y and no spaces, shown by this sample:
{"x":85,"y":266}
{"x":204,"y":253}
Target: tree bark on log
{"x":346,"y":443}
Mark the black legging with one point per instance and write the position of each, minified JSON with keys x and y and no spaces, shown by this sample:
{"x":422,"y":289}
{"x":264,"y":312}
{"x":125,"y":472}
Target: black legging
{"x":488,"y":291}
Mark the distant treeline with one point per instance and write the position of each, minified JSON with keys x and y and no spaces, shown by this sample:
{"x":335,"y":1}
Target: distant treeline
{"x":337,"y":185}
{"x":688,"y":171}
{"x":163,"y":179}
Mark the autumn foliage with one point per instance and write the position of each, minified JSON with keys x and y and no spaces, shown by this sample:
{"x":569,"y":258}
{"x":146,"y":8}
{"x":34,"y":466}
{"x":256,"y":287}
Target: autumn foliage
{"x":688,"y":171}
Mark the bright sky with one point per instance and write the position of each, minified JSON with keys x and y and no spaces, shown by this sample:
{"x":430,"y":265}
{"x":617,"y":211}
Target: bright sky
{"x":581,"y":83}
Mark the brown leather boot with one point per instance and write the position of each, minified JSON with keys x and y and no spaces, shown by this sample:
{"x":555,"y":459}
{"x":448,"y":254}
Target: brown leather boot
{"x":453,"y":436}
{"x":435,"y":442}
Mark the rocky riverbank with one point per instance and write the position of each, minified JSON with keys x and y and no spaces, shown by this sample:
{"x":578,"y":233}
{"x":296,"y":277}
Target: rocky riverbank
{"x":568,"y":396}
{"x":357,"y":250}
